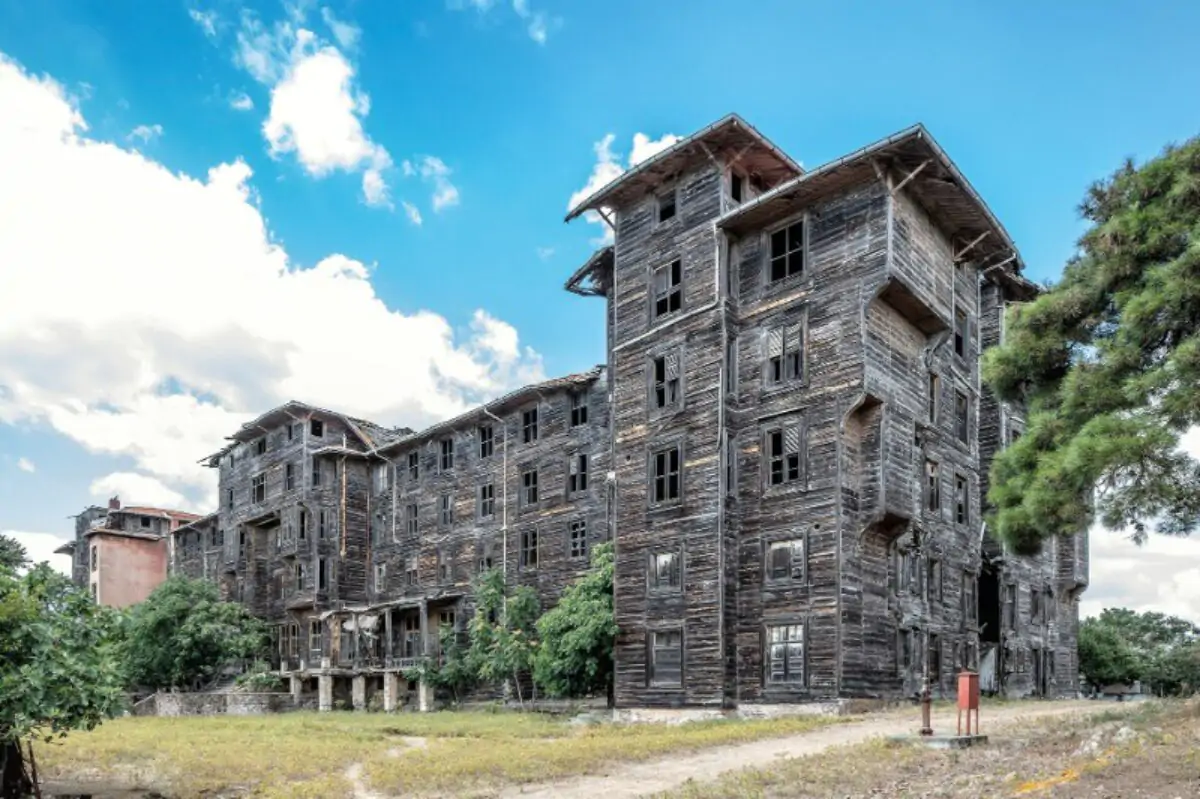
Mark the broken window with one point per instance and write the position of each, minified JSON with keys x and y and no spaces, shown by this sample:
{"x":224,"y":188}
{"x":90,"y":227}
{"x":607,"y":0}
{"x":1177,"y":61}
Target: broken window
{"x":487,"y":500}
{"x":666,"y":573}
{"x":665,"y":385}
{"x":411,"y":572}
{"x":785,"y":560}
{"x":383,"y":474}
{"x":321,"y":524}
{"x":668,"y":288}
{"x":785,"y":653}
{"x":665,"y":476}
{"x":666,"y":205}
{"x":241,"y":542}
{"x":300,"y":576}
{"x":579,"y":409}
{"x":529,"y":425}
{"x":445,"y":510}
{"x":664,"y":662}
{"x":315,"y":634}
{"x":260,"y":446}
{"x":577,"y":538}
{"x":303,"y":524}
{"x":145,"y":521}
{"x":785,"y":354}
{"x":962,"y":502}
{"x":486,"y":439}
{"x":316,"y":428}
{"x":961,"y":417}
{"x":289,"y":477}
{"x":447,"y":461}
{"x":960,"y":333}
{"x":529,"y":548}
{"x":933,"y":486}
{"x":784,"y":454}
{"x":529,"y":487}
{"x":935,"y":396}
{"x":411,"y":519}
{"x":316,"y":472}
{"x":787,"y":251}
{"x":445,"y":568}
{"x":380,"y":577}
{"x":485,"y":556}
{"x":258,"y":488}
{"x":414,"y":465}
{"x":229,"y":498}
{"x":577,"y":474}
{"x":736,"y":183}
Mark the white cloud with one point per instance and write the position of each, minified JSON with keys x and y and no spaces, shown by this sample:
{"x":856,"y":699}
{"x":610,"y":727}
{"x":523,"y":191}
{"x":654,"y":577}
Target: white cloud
{"x":345,"y":33}
{"x":140,"y":489}
{"x":435,"y":172}
{"x":1163,"y":575}
{"x":608,"y":168}
{"x":538,"y":25}
{"x":207,"y":20}
{"x":240,"y":101}
{"x":40,"y":547}
{"x":227,"y":324}
{"x":145,"y":133}
{"x":26,"y":465}
{"x":414,"y":213}
{"x":545,"y":253}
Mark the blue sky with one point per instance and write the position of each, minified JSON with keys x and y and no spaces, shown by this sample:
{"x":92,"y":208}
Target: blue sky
{"x":496,"y":109}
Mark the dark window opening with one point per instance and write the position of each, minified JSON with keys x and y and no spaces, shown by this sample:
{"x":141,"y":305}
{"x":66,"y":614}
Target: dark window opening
{"x":260,"y":446}
{"x":321,"y":529}
{"x":447,"y":454}
{"x":316,"y":428}
{"x":229,"y":498}
{"x":960,"y":333}
{"x":961,"y":417}
{"x":316,"y":473}
{"x":529,"y":425}
{"x":486,"y":441}
{"x":445,"y":510}
{"x":933,"y":486}
{"x":414,"y":465}
{"x":577,"y":476}
{"x":579,"y":409}
{"x":145,"y":521}
{"x":787,"y":251}
{"x":303,"y":525}
{"x":935,"y":391}
{"x":785,"y":354}
{"x":785,"y":653}
{"x":322,"y":574}
{"x":784,"y":455}
{"x":529,"y":487}
{"x":577,"y":536}
{"x":529,"y":549}
{"x":962,"y":502}
{"x":736,"y":182}
{"x":666,"y":380}
{"x":258,"y":488}
{"x":411,"y":519}
{"x":668,"y":288}
{"x":665,"y":476}
{"x":666,"y":206}
{"x":487,"y":500}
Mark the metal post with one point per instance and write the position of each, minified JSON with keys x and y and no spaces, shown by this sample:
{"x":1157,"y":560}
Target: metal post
{"x":926,"y":709}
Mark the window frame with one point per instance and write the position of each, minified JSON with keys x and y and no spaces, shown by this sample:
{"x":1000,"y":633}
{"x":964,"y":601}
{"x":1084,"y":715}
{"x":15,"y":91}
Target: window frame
{"x":791,"y":327}
{"x":781,"y":428}
{"x":487,"y":440}
{"x":673,"y":584}
{"x":653,"y":680}
{"x":446,"y":509}
{"x":667,"y":290}
{"x":578,"y":474}
{"x":932,"y":490}
{"x":653,"y":478}
{"x":412,"y":518}
{"x":789,"y":541}
{"x":526,"y":471}
{"x":767,"y":656}
{"x":962,"y":417}
{"x":380,"y":578}
{"x":414,"y":465}
{"x":485,"y":501}
{"x":316,"y":427}
{"x":529,"y":543}
{"x":962,"y":499}
{"x":659,"y":197}
{"x":961,"y":337}
{"x":670,"y":404}
{"x":769,"y":257}
{"x":577,"y":539}
{"x":258,"y":488}
{"x":578,"y":407}
{"x":446,"y":454}
{"x":530,"y":420}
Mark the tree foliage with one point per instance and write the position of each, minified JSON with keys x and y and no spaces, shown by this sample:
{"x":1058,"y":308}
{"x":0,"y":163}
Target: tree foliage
{"x":1105,"y":658}
{"x":183,"y":634}
{"x":575,"y":657}
{"x":1121,"y":645}
{"x":59,"y":662}
{"x":502,"y":633}
{"x":1108,"y":361}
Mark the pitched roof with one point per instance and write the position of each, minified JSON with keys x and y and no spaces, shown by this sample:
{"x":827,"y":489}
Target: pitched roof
{"x":592,"y":278}
{"x":730,"y":133}
{"x":371,"y":435}
{"x":161,"y":513}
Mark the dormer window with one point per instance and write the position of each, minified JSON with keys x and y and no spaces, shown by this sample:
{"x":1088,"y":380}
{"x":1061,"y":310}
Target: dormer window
{"x":316,"y":428}
{"x":666,"y":205}
{"x":736,"y":186}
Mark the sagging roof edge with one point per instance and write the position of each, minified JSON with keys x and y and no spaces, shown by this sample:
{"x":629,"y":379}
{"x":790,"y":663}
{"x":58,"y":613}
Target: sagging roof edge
{"x":573,"y":282}
{"x":917,"y":131}
{"x":208,"y":517}
{"x":597,"y":197}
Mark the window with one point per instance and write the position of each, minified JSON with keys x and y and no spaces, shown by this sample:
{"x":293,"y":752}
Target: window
{"x":908,"y":573}
{"x":485,"y":557}
{"x":665,"y":385}
{"x":904,"y":643}
{"x":731,"y":352}
{"x":377,"y":527}
{"x":260,"y":446}
{"x":935,"y":392}
{"x":577,"y":538}
{"x":315,"y":634}
{"x":736,"y":183}
{"x":445,"y":510}
{"x":414,"y":465}
{"x":95,"y":558}
{"x":784,"y":455}
{"x":935,"y":660}
{"x":665,"y":658}
{"x":487,"y":500}
{"x":322,"y":574}
{"x":668,"y":288}
{"x":1035,"y":606}
{"x":785,"y":354}
{"x":665,"y":483}
{"x":961,"y":414}
{"x":258,"y":489}
{"x":529,"y":425}
{"x":529,"y":548}
{"x":1010,"y":607}
{"x":300,"y":576}
{"x":291,"y":432}
{"x":321,"y":524}
{"x":447,"y":454}
{"x":410,"y":515}
{"x":666,"y":205}
{"x":579,"y":409}
{"x":787,"y":251}
{"x":577,"y":474}
{"x":411,"y":572}
{"x":785,"y":560}
{"x":303,"y":524}
{"x":529,"y":487}
{"x":970,"y":603}
{"x":933,"y":486}
{"x":383,"y":474}
{"x":785,"y":653}
{"x":960,"y":333}
{"x":445,"y":567}
{"x":218,"y":537}
{"x":289,"y":477}
{"x":145,"y":521}
{"x":486,"y":439}
{"x":666,"y":573}
{"x":962,"y":502}
{"x":380,"y":576}
{"x":229,"y":498}
{"x":316,"y":428}
{"x":933,"y":582}
{"x":241,"y":543}
{"x":316,"y":473}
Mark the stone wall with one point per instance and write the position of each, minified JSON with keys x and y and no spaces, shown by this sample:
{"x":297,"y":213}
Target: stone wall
{"x":216,"y":704}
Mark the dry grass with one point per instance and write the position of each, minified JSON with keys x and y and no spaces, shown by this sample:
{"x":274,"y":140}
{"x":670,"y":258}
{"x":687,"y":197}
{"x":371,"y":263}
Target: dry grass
{"x":305,"y":754}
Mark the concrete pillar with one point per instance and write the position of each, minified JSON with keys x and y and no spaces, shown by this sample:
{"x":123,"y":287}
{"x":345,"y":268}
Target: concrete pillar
{"x":325,"y":693}
{"x":358,"y":692}
{"x":424,"y":696}
{"x":297,"y":686}
{"x":391,"y":691}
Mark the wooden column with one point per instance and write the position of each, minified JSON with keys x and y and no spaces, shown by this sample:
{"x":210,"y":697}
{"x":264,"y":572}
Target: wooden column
{"x":424,"y":611}
{"x":387,"y":630}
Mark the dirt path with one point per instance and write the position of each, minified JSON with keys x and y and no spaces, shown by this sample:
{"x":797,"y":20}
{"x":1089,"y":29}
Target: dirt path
{"x":641,"y":779}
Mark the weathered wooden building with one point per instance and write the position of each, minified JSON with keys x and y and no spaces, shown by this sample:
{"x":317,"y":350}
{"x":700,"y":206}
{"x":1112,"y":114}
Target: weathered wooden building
{"x":800,"y":437}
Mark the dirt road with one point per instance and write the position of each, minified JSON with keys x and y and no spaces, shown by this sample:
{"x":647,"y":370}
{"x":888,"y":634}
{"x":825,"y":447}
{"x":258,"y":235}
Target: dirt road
{"x":642,"y":779}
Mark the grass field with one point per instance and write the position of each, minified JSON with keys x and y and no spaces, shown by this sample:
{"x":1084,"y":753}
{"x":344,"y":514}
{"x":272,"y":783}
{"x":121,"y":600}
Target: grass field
{"x":307,"y":754}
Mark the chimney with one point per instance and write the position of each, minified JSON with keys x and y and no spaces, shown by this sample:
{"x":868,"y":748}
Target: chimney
{"x":114,"y":503}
